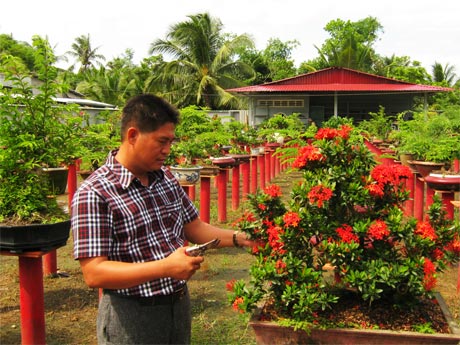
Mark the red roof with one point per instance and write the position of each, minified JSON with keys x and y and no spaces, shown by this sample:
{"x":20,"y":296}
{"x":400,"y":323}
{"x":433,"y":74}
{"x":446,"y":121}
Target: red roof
{"x":339,"y":79}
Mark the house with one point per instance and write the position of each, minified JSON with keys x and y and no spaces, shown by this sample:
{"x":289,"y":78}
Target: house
{"x":92,"y":108}
{"x":331,"y":92}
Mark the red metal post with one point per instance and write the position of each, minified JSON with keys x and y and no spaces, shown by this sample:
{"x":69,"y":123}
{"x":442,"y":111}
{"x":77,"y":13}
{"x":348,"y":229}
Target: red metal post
{"x":272,"y":164}
{"x":277,"y":164}
{"x":409,"y":204}
{"x":50,"y":263}
{"x":267,"y":166}
{"x":419,"y":197}
{"x":235,"y":187}
{"x":245,"y":171}
{"x":222,"y":196}
{"x":254,"y":176}
{"x":262,"y":175}
{"x":192,"y":192}
{"x":447,"y":198}
{"x":429,"y":198}
{"x":205,"y":198}
{"x":31,"y":300}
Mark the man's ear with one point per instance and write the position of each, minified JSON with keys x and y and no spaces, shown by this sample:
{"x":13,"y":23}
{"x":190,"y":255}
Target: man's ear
{"x":132,"y":134}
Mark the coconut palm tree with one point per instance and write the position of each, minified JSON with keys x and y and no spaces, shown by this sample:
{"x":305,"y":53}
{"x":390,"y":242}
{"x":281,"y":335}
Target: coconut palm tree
{"x":203,"y":63}
{"x":444,"y":73}
{"x":107,"y":85}
{"x":81,"y":49}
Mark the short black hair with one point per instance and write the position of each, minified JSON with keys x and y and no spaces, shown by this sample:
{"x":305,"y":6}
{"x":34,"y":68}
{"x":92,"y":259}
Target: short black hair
{"x":147,"y":112}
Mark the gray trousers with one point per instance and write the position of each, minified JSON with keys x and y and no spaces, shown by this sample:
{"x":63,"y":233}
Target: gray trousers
{"x":126,"y":321}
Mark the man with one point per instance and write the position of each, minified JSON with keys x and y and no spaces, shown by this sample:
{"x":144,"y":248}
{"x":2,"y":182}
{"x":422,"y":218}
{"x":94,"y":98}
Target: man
{"x":130,"y":220}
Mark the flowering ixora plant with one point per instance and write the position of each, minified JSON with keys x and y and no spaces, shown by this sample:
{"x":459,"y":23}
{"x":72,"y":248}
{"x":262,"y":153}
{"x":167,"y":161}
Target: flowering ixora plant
{"x":345,"y":213}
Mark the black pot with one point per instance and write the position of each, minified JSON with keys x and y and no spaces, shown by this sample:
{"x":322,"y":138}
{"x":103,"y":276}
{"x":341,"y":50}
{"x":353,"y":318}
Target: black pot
{"x":58,"y":179}
{"x":34,"y":237}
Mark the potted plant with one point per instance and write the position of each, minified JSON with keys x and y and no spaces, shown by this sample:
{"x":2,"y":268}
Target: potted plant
{"x":242,"y":135}
{"x":379,"y":127}
{"x":200,"y":138}
{"x":432,"y":139}
{"x":98,"y":139}
{"x":341,"y":240}
{"x":35,"y":133}
{"x":281,"y":127}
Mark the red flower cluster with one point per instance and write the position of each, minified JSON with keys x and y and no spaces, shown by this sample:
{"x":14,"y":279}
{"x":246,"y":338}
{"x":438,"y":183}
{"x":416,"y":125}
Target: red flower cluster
{"x":280,"y":266}
{"x":454,"y":246}
{"x":390,"y":174}
{"x":230,"y":285}
{"x":262,"y":207}
{"x":378,"y":230}
{"x":425,"y":230}
{"x":386,"y":175}
{"x":274,"y":233}
{"x":307,"y":154}
{"x":429,"y":280}
{"x":319,"y":194}
{"x":273,"y":190}
{"x":331,"y":133}
{"x":236,"y":304}
{"x":291,"y":219}
{"x":376,"y":190}
{"x":246,"y":217}
{"x":346,"y":234}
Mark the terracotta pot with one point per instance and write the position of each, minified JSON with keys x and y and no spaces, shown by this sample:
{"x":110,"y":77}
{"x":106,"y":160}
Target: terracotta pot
{"x":425,"y":168}
{"x":209,"y":170}
{"x":187,"y":176}
{"x":270,"y":333}
{"x":405,"y":157}
{"x":224,"y":162}
{"x":240,"y":158}
{"x":272,"y":145}
{"x":441,"y":182}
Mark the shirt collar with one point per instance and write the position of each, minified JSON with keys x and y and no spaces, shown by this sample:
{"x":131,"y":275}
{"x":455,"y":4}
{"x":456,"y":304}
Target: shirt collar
{"x":125,"y":176}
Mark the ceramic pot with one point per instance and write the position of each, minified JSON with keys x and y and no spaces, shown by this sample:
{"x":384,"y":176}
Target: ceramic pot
{"x":187,"y":176}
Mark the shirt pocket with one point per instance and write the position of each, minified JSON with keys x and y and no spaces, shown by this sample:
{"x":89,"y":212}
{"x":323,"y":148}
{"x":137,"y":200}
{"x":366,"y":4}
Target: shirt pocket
{"x":171,"y":219}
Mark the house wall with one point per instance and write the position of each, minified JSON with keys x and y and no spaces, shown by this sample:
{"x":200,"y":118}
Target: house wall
{"x":320,"y":107}
{"x":263,"y":107}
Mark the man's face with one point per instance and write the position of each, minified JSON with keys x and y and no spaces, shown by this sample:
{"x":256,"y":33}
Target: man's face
{"x":151,"y":149}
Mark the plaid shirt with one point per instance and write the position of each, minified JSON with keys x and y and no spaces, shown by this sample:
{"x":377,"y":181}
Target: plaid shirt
{"x":114,"y":215}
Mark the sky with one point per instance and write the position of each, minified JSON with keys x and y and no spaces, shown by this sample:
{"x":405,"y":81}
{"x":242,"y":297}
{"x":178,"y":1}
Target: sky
{"x":427,"y":31}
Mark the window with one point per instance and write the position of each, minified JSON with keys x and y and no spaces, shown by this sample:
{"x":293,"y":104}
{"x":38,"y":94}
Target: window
{"x":281,"y":103}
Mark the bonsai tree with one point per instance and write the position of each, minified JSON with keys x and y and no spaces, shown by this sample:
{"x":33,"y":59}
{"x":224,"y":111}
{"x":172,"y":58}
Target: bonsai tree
{"x":346,"y":214}
{"x":198,"y":137}
{"x":433,"y":137}
{"x":99,"y":139}
{"x":281,"y":126}
{"x":379,"y":126}
{"x":35,"y":132}
{"x":242,"y":134}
